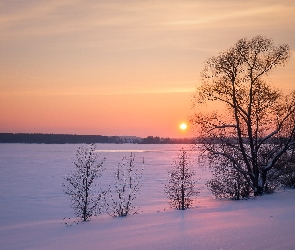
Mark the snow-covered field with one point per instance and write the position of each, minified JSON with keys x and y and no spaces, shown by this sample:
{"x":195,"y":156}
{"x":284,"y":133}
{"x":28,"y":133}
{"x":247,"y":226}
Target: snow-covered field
{"x":33,"y":207}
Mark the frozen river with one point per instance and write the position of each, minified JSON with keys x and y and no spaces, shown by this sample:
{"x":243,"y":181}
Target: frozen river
{"x":31,"y":177}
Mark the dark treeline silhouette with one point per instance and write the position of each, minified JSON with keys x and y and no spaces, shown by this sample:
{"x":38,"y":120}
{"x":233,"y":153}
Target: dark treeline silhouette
{"x":76,"y":139}
{"x":56,"y":138}
{"x":159,"y":140}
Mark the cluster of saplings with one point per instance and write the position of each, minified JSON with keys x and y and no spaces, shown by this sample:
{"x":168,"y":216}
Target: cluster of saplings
{"x":118,"y":200}
{"x":82,"y":187}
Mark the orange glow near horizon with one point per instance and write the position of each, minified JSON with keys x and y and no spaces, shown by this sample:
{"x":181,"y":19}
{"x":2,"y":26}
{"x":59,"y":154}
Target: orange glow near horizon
{"x":107,"y":68}
{"x":128,"y":114}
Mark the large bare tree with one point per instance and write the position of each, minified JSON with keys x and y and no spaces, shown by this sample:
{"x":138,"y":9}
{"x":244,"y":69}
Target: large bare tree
{"x":253,"y":129}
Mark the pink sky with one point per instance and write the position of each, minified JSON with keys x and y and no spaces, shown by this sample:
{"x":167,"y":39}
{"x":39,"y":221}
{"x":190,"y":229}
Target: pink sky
{"x":121,"y":67}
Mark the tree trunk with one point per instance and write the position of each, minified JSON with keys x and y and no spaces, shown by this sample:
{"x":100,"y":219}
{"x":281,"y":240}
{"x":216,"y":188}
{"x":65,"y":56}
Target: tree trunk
{"x":182,"y":185}
{"x":86,"y":200}
{"x":263,"y":181}
{"x":182,"y":197}
{"x":259,"y":184}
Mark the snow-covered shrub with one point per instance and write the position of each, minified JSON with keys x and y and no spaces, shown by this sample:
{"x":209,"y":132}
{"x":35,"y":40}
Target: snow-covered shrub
{"x":288,"y":180}
{"x":287,"y":175}
{"x":228,"y":183}
{"x":283,"y":173}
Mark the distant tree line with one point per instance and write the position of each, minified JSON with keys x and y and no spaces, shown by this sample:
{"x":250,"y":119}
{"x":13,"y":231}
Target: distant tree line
{"x":88,"y":139}
{"x":159,"y":140}
{"x":56,"y":138}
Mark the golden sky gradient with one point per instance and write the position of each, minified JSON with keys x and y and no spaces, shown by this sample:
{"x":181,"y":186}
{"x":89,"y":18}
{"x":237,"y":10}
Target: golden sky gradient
{"x":121,"y":67}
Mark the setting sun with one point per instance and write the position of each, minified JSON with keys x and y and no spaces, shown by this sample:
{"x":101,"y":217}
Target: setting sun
{"x":183,"y":126}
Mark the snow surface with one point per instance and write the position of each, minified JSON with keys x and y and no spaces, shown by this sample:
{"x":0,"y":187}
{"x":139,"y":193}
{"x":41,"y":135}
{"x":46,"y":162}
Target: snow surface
{"x":33,"y":207}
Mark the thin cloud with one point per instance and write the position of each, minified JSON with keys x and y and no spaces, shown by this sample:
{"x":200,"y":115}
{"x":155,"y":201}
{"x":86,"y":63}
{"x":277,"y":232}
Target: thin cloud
{"x":229,"y":15}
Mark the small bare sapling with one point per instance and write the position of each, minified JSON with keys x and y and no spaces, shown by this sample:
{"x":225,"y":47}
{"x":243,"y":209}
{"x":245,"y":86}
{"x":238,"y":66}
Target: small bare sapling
{"x":120,"y":198}
{"x":180,"y":189}
{"x":80,"y":184}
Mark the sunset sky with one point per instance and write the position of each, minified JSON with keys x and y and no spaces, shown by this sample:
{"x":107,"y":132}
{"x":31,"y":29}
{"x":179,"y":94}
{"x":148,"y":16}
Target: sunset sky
{"x":121,"y":67}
